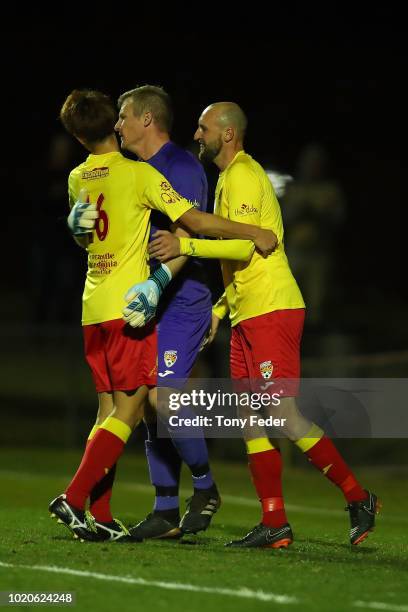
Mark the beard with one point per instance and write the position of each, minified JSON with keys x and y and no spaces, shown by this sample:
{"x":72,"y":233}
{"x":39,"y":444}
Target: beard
{"x":208,"y":152}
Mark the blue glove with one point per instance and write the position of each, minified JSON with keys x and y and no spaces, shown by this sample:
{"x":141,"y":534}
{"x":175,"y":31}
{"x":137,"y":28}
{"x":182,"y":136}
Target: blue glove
{"x":144,"y":297}
{"x":83,"y":216}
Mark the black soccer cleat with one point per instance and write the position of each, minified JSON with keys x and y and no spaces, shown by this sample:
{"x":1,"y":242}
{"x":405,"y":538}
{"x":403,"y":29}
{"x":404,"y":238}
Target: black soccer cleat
{"x":362,"y":517}
{"x":72,"y":518}
{"x":200,"y":509}
{"x":263,"y":536}
{"x":155,"y":526}
{"x":111,"y":531}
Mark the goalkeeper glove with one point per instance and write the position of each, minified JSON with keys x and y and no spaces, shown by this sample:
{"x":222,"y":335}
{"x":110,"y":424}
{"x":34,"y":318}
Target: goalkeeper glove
{"x":144,"y":297}
{"x":82,"y":217}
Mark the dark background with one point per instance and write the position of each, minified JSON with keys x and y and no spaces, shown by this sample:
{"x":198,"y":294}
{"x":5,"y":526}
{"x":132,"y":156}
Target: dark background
{"x":335,"y":77}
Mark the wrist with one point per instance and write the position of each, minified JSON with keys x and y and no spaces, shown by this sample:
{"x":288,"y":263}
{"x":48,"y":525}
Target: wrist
{"x":161,"y":277}
{"x":255,"y":233}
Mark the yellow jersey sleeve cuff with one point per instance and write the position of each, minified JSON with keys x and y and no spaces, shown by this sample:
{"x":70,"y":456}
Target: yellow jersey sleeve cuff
{"x":174,"y":212}
{"x":221,"y":308}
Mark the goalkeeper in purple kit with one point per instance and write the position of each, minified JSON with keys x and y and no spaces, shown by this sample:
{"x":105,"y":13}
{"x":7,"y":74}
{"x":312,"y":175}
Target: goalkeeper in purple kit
{"x":184,"y":317}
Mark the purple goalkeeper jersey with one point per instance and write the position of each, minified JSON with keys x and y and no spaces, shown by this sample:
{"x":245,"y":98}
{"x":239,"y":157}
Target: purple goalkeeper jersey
{"x":188,"y":290}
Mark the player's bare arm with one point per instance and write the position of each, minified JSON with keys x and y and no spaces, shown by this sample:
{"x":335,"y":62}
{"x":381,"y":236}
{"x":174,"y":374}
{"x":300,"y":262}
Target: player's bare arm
{"x":215,"y":322}
{"x":164,"y":246}
{"x":177,"y":261}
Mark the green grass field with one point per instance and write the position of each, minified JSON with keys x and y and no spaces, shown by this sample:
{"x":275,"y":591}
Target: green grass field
{"x":319,"y":571}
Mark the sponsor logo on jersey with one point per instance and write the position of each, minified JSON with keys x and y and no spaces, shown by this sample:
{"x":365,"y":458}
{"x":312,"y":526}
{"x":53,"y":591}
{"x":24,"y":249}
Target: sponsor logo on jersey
{"x":168,"y":194}
{"x":170,"y":358}
{"x":96,"y":173}
{"x":266,"y":369}
{"x":246,"y":209}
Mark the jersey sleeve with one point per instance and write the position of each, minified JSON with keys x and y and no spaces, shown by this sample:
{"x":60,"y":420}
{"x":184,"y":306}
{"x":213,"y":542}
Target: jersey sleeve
{"x":160,"y":195}
{"x":221,"y":308}
{"x":72,"y":189}
{"x":238,"y":250}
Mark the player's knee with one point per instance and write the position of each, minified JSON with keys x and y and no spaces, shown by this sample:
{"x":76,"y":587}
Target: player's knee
{"x":294,"y":424}
{"x":153,"y":398}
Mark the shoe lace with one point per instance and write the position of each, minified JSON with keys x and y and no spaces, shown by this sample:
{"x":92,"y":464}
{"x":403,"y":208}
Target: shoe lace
{"x":90,"y":521}
{"x":92,"y":524}
{"x":255,"y":530}
{"x":356,"y":509}
{"x":121,"y":526}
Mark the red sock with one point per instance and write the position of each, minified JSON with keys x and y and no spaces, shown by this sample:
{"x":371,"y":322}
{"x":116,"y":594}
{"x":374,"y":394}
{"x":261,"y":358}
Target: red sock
{"x":266,"y":471}
{"x":99,"y":503}
{"x":100,"y":497}
{"x":100,"y":455}
{"x":326,"y":458}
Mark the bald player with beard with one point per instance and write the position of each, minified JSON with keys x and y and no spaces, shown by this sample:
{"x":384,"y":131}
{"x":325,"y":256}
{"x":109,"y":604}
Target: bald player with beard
{"x":266,"y":312}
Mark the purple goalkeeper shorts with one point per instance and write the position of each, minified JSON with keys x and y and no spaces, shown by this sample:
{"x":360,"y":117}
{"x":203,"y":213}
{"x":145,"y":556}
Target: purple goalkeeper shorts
{"x":179,"y":339}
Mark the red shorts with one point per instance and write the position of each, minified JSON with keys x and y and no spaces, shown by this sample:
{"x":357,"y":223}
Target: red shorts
{"x":121,"y":358}
{"x":268,"y":347}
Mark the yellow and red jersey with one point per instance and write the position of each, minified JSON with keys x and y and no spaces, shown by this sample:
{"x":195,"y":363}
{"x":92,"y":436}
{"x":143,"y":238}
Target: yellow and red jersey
{"x":125,"y":192}
{"x":257,"y":286}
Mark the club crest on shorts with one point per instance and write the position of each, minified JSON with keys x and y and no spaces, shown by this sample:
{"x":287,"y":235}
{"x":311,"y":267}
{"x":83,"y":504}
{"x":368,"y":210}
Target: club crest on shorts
{"x":266,"y":369}
{"x":170,"y":358}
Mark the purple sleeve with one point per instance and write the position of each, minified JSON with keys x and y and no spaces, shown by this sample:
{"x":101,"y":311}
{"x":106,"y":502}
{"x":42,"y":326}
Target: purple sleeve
{"x":189,"y":179}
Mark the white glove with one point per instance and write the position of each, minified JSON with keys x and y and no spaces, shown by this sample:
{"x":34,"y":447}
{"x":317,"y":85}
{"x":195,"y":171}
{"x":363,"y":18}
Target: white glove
{"x":144,"y":297}
{"x":83,"y":216}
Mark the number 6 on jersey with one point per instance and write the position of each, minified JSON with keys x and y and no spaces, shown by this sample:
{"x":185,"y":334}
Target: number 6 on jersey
{"x":102,"y":223}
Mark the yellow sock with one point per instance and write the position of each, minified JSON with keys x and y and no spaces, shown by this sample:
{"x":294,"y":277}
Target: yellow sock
{"x":313,"y":436}
{"x":117,"y":427}
{"x":258,"y":445}
{"x":93,"y":431}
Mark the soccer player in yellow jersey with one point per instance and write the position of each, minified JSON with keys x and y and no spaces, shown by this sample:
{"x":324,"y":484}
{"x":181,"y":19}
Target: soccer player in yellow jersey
{"x":266,"y":311}
{"x":113,"y":225}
